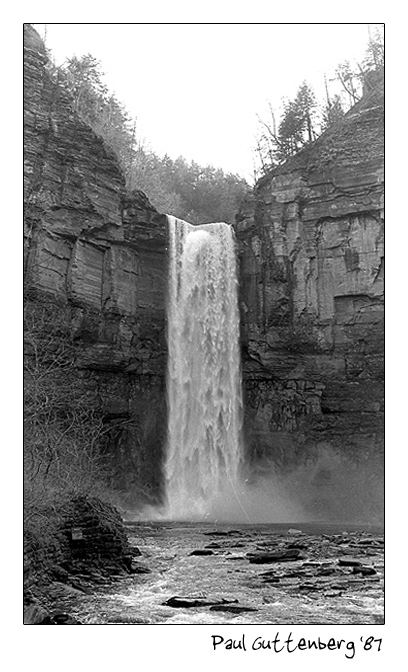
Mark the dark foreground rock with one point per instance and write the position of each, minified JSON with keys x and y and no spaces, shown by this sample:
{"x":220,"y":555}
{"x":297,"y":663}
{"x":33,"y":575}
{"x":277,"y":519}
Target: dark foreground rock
{"x":137,"y":568}
{"x":289,"y":555}
{"x":36,"y":615}
{"x":70,"y":548}
{"x":349,"y":562}
{"x":190,"y":602}
{"x":232,"y":608}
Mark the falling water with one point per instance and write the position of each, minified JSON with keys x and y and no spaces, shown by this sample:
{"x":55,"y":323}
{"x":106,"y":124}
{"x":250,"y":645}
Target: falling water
{"x":204,"y":384}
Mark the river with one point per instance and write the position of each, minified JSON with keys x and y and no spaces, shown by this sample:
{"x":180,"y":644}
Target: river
{"x":223,"y":574}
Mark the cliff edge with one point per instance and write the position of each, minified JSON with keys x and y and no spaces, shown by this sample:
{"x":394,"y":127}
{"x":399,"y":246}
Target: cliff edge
{"x":311,"y":244}
{"x":94,"y":269}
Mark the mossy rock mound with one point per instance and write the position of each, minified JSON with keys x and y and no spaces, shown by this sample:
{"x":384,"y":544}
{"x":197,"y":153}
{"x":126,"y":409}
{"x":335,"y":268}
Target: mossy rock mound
{"x":93,"y":530}
{"x":64,"y":537}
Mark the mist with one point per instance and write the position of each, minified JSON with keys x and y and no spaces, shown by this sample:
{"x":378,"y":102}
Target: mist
{"x":332,"y":488}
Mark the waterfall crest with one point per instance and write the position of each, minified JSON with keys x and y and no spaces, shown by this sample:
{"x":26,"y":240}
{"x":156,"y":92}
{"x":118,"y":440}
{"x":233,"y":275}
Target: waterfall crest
{"x":204,"y":447}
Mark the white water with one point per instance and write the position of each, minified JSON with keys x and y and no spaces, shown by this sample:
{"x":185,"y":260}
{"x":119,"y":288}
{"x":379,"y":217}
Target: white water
{"x":204,"y":449}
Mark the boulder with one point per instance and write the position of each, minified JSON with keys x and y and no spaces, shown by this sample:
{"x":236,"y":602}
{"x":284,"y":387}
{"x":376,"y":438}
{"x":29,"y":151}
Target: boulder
{"x":289,"y":555}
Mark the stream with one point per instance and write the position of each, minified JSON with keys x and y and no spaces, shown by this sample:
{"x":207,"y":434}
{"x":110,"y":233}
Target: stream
{"x":244,"y":574}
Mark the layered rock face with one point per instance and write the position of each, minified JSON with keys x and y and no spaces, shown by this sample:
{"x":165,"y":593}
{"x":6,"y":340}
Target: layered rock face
{"x":310,"y":247}
{"x":99,"y":255}
{"x":311,"y":294}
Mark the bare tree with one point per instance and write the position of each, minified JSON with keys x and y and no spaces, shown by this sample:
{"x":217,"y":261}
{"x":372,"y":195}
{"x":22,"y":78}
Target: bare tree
{"x":63,"y":429}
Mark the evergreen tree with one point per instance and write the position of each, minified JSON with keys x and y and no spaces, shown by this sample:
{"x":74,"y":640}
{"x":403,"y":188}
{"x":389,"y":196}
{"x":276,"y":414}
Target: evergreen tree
{"x":375,"y":55}
{"x":277,"y":142}
{"x":332,"y":112}
{"x":295,"y":130}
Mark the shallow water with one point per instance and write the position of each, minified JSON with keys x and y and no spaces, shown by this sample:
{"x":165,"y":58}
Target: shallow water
{"x":314,"y":589}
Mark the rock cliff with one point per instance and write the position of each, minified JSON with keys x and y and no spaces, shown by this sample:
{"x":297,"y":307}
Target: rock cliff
{"x":310,"y":243}
{"x":311,"y":294}
{"x":97,"y":253}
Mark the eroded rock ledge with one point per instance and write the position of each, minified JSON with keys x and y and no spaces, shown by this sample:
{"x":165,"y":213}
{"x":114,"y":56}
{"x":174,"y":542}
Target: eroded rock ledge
{"x":311,"y":243}
{"x":97,"y":253}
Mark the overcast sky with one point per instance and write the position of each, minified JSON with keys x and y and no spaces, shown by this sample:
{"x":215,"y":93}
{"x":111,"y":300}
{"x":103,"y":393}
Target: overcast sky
{"x":196,"y":89}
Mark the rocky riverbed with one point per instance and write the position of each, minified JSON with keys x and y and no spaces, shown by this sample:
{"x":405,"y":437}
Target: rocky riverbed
{"x":186,"y":573}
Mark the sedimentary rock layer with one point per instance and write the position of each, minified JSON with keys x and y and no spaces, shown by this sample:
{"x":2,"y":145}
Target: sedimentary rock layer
{"x":98,"y":253}
{"x":311,"y":244}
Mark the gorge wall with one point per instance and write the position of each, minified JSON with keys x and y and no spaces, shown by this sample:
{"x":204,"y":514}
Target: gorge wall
{"x":97,"y":255}
{"x":311,"y":243}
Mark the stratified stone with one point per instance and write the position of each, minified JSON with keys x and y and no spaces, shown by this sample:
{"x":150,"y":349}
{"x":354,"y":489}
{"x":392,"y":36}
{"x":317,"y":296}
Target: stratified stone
{"x":364,"y":570}
{"x":349,"y":562}
{"x":95,"y":254}
{"x":191,"y":602}
{"x":232,"y":608}
{"x":311,"y":257}
{"x":288,"y":555}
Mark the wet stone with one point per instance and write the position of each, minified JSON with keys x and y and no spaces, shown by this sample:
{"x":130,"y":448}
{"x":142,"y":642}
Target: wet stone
{"x":136,"y":551}
{"x":309,"y":586}
{"x":289,"y":555}
{"x":232,"y":608}
{"x":325,"y":571}
{"x":271,"y":579}
{"x":364,"y":570}
{"x":297,"y":574}
{"x":349,"y":562}
{"x":65,"y":619}
{"x":137,"y":568}
{"x":183,"y":602}
{"x":262,"y":545}
{"x":191,"y":602}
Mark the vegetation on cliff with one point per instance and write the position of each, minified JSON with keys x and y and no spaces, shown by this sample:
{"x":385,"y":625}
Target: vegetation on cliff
{"x":303,"y":119}
{"x":63,"y":431}
{"x":198,"y":194}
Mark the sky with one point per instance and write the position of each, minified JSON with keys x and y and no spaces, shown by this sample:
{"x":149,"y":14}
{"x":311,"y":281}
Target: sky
{"x":196,"y":89}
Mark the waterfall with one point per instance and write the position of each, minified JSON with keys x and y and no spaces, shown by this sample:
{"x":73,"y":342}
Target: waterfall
{"x":204,"y":448}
